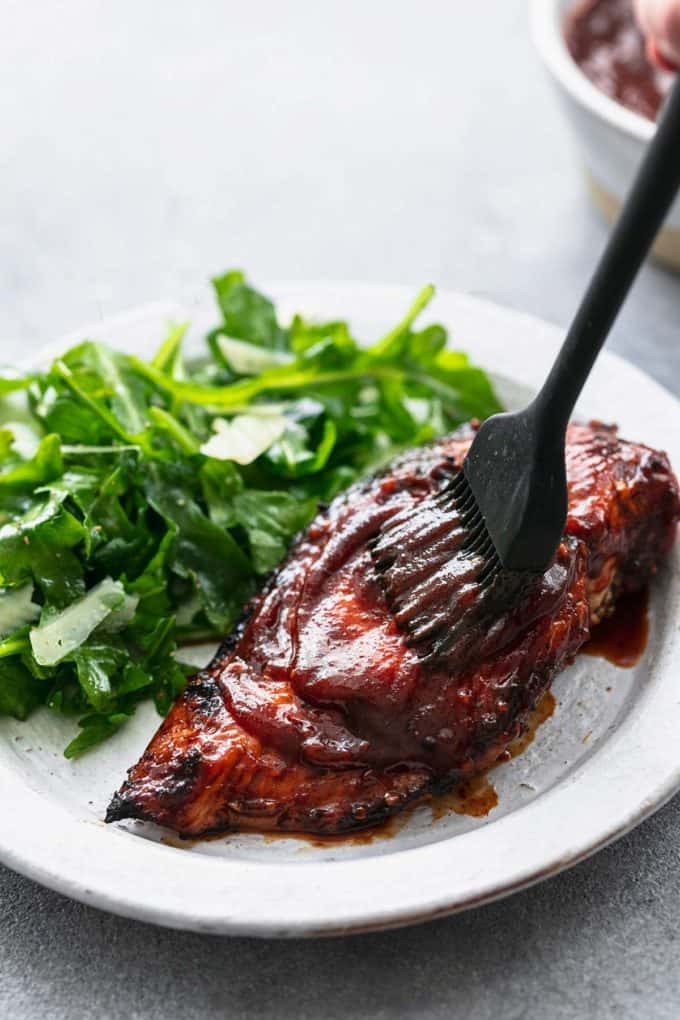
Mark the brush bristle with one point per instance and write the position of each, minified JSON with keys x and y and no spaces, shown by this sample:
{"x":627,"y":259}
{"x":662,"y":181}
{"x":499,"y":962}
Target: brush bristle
{"x":436,"y":561}
{"x":478,"y":541}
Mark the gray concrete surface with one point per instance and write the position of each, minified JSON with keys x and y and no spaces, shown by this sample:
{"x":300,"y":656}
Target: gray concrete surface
{"x":144,"y":146}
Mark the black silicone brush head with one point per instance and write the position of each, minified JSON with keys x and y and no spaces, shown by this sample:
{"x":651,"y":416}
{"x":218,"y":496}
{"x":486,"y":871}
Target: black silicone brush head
{"x":441,"y":575}
{"x":477,"y":542}
{"x":516,"y":476}
{"x":460,"y":558}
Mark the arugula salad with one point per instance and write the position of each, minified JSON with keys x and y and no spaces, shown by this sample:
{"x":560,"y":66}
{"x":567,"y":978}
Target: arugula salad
{"x":142,"y":503}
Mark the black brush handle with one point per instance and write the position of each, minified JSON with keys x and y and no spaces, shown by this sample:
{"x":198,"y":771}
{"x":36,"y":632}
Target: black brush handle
{"x":643,"y":213}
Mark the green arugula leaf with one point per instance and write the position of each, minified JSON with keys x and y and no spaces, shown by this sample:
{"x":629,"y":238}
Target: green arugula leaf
{"x":94,"y":730}
{"x":46,"y":465}
{"x":168,"y":354}
{"x":40,"y":544}
{"x":220,"y":482}
{"x":6,"y":444}
{"x":203,"y":552}
{"x":248,"y":315}
{"x":271,"y":519}
{"x":20,"y":692}
{"x":97,"y":663}
{"x":9,"y":384}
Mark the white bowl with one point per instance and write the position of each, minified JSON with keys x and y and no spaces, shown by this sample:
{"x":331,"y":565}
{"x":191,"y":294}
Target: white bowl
{"x":612,"y":137}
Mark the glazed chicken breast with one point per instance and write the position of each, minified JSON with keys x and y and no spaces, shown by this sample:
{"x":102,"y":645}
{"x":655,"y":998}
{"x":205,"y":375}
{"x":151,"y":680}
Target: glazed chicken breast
{"x":340,"y":698}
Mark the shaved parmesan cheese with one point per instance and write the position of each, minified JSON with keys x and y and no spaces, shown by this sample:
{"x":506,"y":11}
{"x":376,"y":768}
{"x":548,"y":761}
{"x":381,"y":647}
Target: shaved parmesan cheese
{"x":17,"y":609}
{"x":249,"y":359}
{"x":63,"y":632}
{"x":243,"y":438}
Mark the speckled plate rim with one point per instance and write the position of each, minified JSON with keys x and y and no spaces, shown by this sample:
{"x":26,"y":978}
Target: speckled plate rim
{"x":634,"y":773}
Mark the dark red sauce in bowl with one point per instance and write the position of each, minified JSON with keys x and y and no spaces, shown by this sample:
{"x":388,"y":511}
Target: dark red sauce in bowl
{"x":605,"y":41}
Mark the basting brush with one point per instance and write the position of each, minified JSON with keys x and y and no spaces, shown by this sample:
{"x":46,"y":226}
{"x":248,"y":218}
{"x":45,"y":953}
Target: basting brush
{"x":499,"y":522}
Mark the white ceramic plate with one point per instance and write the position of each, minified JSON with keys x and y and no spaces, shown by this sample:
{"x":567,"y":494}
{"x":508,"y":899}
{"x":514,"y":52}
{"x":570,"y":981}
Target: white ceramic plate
{"x":607,"y":758}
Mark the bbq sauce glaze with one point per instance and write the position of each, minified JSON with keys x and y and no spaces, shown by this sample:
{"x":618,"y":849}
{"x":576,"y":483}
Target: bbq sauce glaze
{"x":604,"y":39}
{"x":621,"y":639}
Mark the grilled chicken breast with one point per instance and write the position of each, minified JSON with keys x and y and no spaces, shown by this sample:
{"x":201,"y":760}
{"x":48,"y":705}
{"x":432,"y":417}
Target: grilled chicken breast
{"x":322,"y":714}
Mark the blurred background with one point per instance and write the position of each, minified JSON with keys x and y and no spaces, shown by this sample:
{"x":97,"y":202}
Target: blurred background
{"x":145,"y":146}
